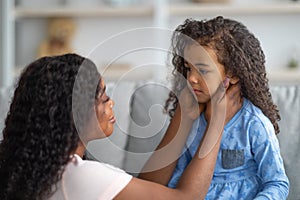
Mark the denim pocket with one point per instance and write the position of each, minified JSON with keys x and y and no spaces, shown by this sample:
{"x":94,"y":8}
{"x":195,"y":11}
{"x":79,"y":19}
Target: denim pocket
{"x":232,"y":158}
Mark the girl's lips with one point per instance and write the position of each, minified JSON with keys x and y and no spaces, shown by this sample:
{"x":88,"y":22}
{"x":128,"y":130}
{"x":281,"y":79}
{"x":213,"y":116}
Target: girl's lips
{"x":197,"y":91}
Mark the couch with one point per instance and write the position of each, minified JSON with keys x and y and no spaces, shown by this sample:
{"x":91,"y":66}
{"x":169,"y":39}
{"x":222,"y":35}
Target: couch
{"x":141,"y":124}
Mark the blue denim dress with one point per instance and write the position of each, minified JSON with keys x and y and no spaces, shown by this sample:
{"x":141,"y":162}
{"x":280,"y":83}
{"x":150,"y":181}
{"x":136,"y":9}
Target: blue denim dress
{"x":249,"y":165}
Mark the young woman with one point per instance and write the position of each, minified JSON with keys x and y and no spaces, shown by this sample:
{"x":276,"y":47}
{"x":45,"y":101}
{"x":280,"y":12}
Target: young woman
{"x":59,"y":105}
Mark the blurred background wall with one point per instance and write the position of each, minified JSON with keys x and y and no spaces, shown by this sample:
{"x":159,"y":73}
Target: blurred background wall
{"x":101,"y":24}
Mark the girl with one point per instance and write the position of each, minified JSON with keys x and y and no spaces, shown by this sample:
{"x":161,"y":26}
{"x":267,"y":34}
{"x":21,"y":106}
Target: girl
{"x":249,"y":164}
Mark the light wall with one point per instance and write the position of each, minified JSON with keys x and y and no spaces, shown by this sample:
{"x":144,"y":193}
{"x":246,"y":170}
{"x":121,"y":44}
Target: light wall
{"x":1,"y":42}
{"x":278,"y":33}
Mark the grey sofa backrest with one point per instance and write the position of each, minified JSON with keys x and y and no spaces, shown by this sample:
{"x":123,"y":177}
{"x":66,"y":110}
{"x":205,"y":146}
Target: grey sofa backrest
{"x":287,"y":97}
{"x":141,"y":124}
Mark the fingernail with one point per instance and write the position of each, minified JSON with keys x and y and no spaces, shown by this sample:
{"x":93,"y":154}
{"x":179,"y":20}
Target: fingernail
{"x":226,"y":81}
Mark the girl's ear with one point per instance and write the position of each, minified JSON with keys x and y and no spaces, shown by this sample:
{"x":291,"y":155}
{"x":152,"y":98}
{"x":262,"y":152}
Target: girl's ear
{"x":233,"y":80}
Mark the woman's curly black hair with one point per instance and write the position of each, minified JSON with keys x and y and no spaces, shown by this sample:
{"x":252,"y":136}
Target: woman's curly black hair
{"x":237,"y":49}
{"x":40,"y":133}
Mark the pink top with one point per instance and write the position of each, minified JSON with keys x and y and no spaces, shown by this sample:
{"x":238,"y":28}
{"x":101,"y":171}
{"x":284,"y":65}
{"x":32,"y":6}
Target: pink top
{"x":90,"y":180}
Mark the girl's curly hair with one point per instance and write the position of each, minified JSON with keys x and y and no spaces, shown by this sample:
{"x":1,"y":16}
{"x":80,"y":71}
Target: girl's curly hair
{"x":40,"y":133}
{"x":237,"y":49}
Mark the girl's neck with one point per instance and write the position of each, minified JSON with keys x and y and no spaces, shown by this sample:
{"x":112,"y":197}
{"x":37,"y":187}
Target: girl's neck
{"x":208,"y":111}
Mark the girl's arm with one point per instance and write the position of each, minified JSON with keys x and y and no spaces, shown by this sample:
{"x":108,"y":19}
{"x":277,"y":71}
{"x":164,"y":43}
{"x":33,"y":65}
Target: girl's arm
{"x":265,"y":147}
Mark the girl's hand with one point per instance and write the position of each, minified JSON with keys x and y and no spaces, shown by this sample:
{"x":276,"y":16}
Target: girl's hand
{"x":189,"y":105}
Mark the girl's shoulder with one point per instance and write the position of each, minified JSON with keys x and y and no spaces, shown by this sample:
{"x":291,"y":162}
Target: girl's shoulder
{"x":252,"y":111}
{"x":256,"y":120}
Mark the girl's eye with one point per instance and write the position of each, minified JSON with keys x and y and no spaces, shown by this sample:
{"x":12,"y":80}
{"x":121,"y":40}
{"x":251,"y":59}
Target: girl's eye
{"x":202,"y":71}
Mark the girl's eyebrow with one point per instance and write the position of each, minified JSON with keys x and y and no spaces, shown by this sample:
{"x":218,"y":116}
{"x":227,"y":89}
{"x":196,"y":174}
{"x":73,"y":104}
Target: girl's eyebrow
{"x":201,"y":65}
{"x":198,"y":64}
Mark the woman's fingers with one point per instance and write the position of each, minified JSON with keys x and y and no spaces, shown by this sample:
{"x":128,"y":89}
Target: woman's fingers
{"x":219,"y":95}
{"x":234,"y":101}
{"x":233,"y":92}
{"x":189,"y":104}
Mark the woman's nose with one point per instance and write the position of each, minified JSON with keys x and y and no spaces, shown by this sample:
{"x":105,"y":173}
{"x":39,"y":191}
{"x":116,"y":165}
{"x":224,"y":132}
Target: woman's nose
{"x":112,"y":103}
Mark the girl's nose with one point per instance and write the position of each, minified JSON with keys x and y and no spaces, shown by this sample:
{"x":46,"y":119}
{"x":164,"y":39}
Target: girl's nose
{"x":193,"y":77}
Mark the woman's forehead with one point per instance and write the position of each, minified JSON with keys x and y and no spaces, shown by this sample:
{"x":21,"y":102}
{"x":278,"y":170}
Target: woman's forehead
{"x":102,"y":83}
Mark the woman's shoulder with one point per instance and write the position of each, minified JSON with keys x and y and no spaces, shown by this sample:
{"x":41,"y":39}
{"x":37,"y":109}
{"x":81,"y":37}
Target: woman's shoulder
{"x":93,"y":167}
{"x":93,"y":178}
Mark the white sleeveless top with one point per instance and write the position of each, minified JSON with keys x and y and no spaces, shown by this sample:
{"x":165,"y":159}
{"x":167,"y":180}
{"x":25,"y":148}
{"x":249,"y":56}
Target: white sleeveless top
{"x":90,"y":180}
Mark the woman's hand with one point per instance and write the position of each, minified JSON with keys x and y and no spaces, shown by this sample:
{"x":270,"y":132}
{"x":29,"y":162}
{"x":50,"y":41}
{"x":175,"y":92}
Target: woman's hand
{"x":225,"y":103}
{"x":189,"y":104}
{"x":234,"y":101}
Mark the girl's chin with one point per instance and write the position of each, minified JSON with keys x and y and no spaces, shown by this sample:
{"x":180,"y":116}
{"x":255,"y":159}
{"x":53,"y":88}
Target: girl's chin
{"x":202,"y":100}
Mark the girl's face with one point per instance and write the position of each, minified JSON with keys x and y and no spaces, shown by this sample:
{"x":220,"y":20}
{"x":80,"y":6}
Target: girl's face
{"x":204,"y":72}
{"x":104,"y":112}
